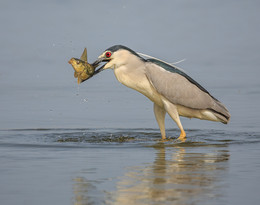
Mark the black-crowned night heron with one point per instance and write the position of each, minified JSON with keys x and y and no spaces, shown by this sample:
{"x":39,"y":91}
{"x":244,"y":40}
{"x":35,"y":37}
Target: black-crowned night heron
{"x":169,"y":88}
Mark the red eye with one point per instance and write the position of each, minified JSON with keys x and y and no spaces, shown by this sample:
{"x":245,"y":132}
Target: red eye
{"x":108,"y":54}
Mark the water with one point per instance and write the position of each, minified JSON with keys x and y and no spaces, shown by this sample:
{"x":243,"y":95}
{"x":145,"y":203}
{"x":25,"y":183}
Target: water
{"x":98,"y":143}
{"x":127,"y":166}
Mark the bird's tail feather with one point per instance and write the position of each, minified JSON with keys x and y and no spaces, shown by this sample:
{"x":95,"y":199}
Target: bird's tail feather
{"x":221,"y":112}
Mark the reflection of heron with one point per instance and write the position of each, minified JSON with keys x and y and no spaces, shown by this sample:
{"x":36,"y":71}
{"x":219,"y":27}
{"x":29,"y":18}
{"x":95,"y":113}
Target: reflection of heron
{"x":185,"y":178}
{"x":86,"y":192}
{"x":81,"y":191}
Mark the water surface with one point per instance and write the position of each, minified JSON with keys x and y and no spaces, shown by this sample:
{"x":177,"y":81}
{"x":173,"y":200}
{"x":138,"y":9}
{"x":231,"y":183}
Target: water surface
{"x":98,"y":142}
{"x":127,"y":166}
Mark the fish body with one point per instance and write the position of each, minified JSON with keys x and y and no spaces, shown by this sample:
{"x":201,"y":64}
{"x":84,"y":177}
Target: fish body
{"x":83,"y":70}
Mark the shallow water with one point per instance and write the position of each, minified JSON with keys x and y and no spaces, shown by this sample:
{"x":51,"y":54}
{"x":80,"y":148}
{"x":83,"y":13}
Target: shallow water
{"x":127,"y":166}
{"x":98,"y":142}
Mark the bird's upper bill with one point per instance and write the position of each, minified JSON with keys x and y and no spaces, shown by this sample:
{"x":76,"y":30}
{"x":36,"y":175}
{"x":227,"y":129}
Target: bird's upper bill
{"x":99,"y":60}
{"x":105,"y":57}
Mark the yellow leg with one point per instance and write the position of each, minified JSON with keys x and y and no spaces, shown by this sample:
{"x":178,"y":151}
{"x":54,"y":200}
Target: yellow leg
{"x":182,"y":136}
{"x":159,"y":113}
{"x":173,"y":112}
{"x":163,"y":138}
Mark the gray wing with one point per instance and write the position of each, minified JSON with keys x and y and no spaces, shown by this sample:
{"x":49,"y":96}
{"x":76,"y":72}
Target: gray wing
{"x":180,"y":89}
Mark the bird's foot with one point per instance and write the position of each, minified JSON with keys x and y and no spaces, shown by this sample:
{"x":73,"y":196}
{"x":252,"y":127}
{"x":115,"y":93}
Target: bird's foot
{"x":182,"y":136}
{"x":165,"y":139}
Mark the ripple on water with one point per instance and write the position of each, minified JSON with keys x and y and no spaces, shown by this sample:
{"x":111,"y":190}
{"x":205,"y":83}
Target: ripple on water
{"x":147,"y":137}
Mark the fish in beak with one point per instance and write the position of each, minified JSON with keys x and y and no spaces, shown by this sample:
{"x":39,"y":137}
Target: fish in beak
{"x":83,"y":69}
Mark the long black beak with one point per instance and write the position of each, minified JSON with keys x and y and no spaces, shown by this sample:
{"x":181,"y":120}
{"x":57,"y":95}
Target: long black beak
{"x":99,"y":70}
{"x":96,"y":64}
{"x":98,"y":61}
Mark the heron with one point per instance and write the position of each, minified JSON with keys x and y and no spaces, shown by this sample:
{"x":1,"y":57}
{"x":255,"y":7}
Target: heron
{"x":170,"y":89}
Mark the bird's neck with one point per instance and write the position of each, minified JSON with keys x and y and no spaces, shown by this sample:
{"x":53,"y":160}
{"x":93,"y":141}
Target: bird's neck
{"x":135,"y":78}
{"x":130,"y":75}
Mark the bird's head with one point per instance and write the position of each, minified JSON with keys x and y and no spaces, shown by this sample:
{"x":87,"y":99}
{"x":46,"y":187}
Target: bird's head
{"x":117,"y":56}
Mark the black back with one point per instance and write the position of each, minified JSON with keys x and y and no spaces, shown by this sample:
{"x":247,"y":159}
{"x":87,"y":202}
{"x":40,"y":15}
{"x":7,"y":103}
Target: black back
{"x":178,"y":71}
